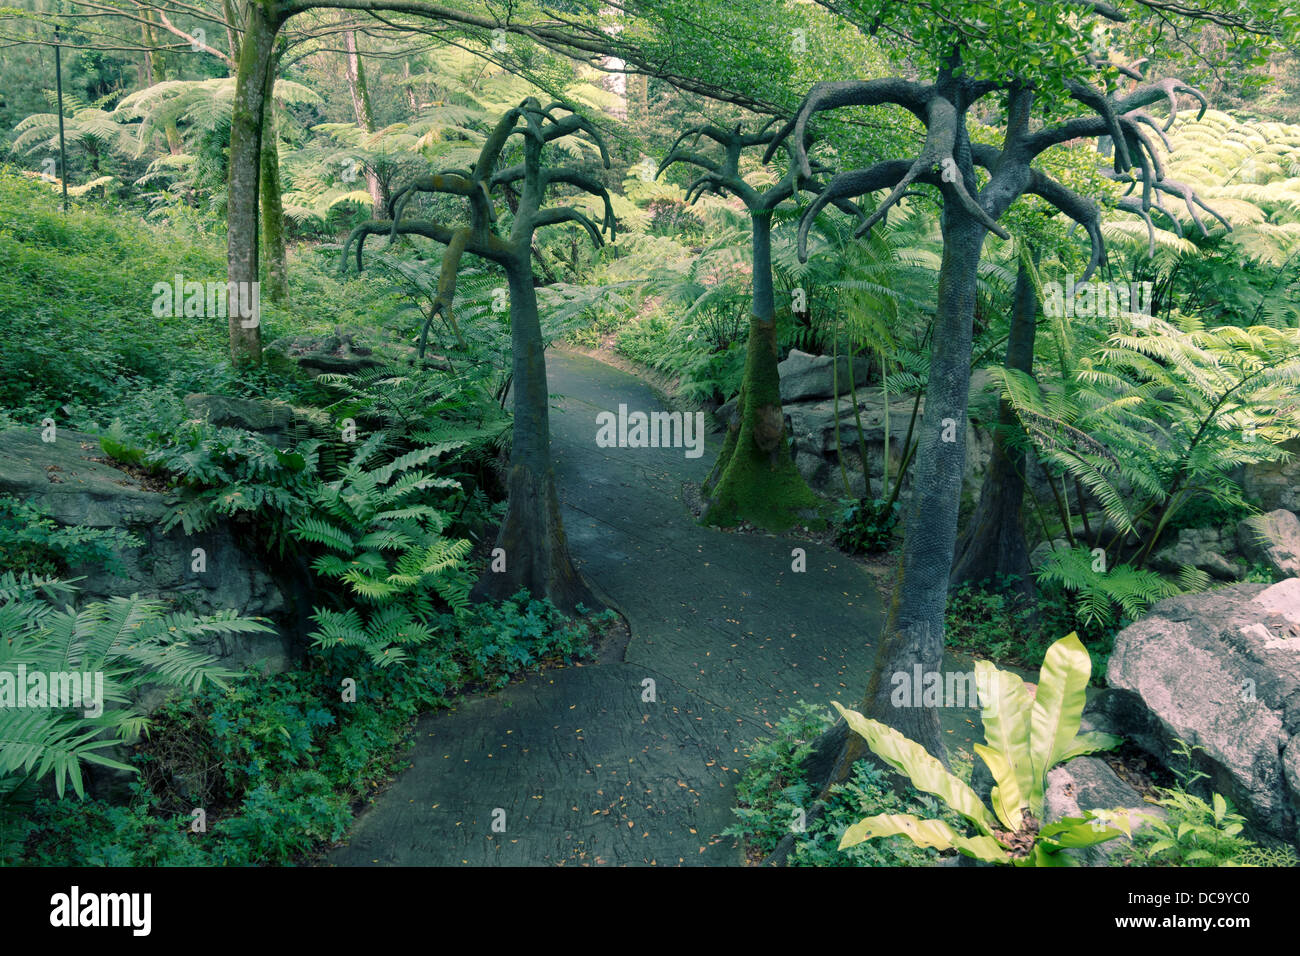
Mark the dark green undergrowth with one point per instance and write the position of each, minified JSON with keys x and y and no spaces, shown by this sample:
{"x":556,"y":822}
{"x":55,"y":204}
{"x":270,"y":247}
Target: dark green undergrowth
{"x":31,"y":540}
{"x":775,"y":799}
{"x":998,"y":624}
{"x":87,"y":277}
{"x":278,"y":764}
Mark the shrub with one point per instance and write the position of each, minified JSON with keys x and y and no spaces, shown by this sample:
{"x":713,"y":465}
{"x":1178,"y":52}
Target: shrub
{"x":775,"y":799}
{"x":867,"y":527}
{"x":31,"y":540}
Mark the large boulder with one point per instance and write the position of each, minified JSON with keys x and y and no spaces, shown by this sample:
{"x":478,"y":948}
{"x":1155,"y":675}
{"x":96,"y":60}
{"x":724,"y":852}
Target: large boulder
{"x":1272,"y":540}
{"x":1220,"y":670}
{"x":77,"y":484}
{"x":806,"y":377}
{"x":812,"y":430}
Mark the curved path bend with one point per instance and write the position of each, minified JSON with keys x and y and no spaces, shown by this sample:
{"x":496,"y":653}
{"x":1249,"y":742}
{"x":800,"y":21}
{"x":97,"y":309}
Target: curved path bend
{"x":588,"y":769}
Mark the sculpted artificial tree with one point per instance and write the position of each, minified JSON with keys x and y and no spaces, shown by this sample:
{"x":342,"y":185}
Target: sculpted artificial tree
{"x":977,"y":50}
{"x":754,"y":478}
{"x":531,"y":539}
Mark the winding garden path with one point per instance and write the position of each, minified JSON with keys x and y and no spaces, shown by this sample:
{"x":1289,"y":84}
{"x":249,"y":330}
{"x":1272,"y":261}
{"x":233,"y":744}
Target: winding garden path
{"x":586,"y":769}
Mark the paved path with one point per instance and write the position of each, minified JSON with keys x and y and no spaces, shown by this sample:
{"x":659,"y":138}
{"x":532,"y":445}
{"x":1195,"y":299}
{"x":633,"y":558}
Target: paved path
{"x":585,"y":769}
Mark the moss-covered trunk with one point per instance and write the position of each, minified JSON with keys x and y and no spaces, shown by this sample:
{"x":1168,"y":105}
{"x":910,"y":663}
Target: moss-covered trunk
{"x":273,"y":245}
{"x":755,"y":478}
{"x":532,"y":544}
{"x":243,"y":193}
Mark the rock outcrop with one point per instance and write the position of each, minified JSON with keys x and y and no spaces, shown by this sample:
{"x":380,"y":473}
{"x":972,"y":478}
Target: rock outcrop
{"x":77,"y":484}
{"x":812,"y":412}
{"x":806,"y":377}
{"x":1275,"y":484}
{"x":1220,"y":670}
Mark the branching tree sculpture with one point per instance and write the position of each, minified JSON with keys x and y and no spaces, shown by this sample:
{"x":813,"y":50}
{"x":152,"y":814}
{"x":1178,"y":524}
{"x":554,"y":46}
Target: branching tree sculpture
{"x":947,"y":159}
{"x":535,"y":554}
{"x":754,"y":478}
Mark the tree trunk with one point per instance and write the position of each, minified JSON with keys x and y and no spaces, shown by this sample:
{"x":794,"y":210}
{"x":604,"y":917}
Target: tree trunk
{"x":256,"y":55}
{"x":410,"y":87}
{"x":913,"y":632}
{"x":756,"y":479}
{"x":157,"y":74}
{"x":535,"y":551}
{"x":147,"y":60}
{"x":273,"y":246}
{"x":993,"y":546}
{"x":356,"y":77}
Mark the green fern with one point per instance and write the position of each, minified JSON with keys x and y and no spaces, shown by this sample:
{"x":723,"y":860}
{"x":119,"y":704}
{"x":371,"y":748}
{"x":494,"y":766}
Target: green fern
{"x":1160,"y":414}
{"x":128,"y":642}
{"x":1107,"y":592}
{"x":387,"y":550}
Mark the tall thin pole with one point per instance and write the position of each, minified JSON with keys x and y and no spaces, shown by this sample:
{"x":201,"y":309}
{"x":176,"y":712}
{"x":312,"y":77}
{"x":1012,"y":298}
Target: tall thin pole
{"x":58,"y":86}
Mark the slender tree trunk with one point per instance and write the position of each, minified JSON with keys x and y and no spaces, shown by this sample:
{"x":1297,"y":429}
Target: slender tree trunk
{"x":147,"y":60}
{"x":993,"y":546}
{"x":157,"y":74}
{"x":256,"y":55}
{"x":756,"y":478}
{"x":273,"y":244}
{"x":356,"y":77}
{"x":232,"y":35}
{"x":410,"y":88}
{"x":531,"y":541}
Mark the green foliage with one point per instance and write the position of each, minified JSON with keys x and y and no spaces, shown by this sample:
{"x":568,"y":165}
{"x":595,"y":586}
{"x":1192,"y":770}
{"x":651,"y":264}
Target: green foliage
{"x":1196,"y":833}
{"x":416,"y":407}
{"x":774,"y":797}
{"x":1025,"y":737}
{"x":127,"y":642}
{"x":1108,"y":597}
{"x":31,"y":540}
{"x":231,"y":473}
{"x":997,"y":623}
{"x":1205,"y":511}
{"x":1245,"y":169}
{"x":59,"y":292}
{"x":377,"y":538}
{"x":773,"y":789}
{"x":672,"y":345}
{"x":279,"y":762}
{"x":867,"y":791}
{"x":278,"y":824}
{"x":1159,"y":415}
{"x":518,"y":634}
{"x":95,"y":833}
{"x":867,"y":527}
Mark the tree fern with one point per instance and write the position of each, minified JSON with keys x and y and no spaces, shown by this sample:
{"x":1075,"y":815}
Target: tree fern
{"x":1159,"y":413}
